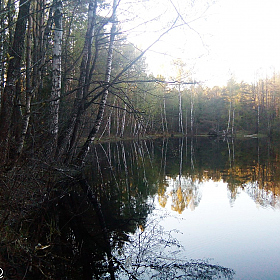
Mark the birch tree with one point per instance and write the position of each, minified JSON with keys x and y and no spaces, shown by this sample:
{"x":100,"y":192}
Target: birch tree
{"x":56,"y":77}
{"x":85,"y":148}
{"x":73,"y":124}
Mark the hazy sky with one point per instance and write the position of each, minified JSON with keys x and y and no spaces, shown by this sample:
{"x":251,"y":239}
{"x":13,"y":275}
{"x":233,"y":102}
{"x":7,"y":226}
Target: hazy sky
{"x":239,"y":37}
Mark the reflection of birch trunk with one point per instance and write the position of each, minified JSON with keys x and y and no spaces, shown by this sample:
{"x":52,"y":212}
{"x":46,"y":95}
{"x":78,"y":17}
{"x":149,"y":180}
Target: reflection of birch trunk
{"x":163,"y":156}
{"x":117,"y":159}
{"x":192,"y":154}
{"x":181,"y":145}
{"x":126,"y":170}
{"x":233,"y":149}
{"x":186,"y":150}
{"x":141,"y":154}
{"x":108,"y":157}
{"x":229,"y":153}
{"x":258,"y":151}
{"x":148,"y":153}
{"x":136,"y":162}
{"x":98,"y":165}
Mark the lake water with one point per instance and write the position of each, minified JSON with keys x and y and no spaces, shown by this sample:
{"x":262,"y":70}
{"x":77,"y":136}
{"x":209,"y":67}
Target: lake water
{"x":178,"y":208}
{"x":208,"y":204}
{"x":243,"y":235}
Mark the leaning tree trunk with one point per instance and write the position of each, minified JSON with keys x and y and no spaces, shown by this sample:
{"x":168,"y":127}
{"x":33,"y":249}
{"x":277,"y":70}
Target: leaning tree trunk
{"x":85,"y":148}
{"x":13,"y":75}
{"x":70,"y":132}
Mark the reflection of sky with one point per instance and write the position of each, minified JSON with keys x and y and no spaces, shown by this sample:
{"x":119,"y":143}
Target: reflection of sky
{"x":242,"y":236}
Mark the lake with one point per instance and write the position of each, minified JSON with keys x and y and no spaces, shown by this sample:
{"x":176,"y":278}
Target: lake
{"x":202,"y":208}
{"x":177,"y":208}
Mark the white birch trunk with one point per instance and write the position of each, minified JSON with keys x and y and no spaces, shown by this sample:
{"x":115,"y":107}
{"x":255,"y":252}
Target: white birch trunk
{"x":229,"y":117}
{"x":86,"y":147}
{"x":56,"y":75}
{"x":162,"y":119}
{"x":164,"y":113}
{"x":232,"y":122}
{"x":192,"y":114}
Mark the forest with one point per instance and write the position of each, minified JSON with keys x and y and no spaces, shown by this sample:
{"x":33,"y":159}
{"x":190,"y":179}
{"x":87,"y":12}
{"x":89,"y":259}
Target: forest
{"x":70,"y":78}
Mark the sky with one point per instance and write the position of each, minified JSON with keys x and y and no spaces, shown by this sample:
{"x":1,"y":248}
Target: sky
{"x":216,"y":39}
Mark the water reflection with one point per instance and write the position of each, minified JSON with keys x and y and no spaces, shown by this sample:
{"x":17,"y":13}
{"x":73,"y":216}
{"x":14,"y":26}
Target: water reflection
{"x":248,"y":166}
{"x":101,"y":224}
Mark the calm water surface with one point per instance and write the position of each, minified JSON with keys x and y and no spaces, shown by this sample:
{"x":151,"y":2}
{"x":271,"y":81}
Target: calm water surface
{"x":217,"y":199}
{"x":163,"y":209}
{"x":242,"y":235}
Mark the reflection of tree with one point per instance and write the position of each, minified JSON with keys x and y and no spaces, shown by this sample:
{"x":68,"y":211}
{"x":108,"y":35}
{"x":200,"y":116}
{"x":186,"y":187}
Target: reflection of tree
{"x":64,"y":235}
{"x":236,"y":163}
{"x":184,"y":193}
{"x":155,"y":254}
{"x":261,"y":196}
{"x":162,"y":196}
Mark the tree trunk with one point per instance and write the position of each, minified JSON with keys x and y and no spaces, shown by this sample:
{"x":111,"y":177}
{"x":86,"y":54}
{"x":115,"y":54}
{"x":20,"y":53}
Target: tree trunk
{"x":192,"y":116}
{"x":26,"y":117}
{"x":56,"y":79}
{"x":164,"y":113}
{"x":13,"y":75}
{"x":70,"y":132}
{"x":232,"y":122}
{"x":229,"y":117}
{"x":2,"y":51}
{"x":85,"y":148}
{"x":123,"y":121}
{"x":181,"y":128}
